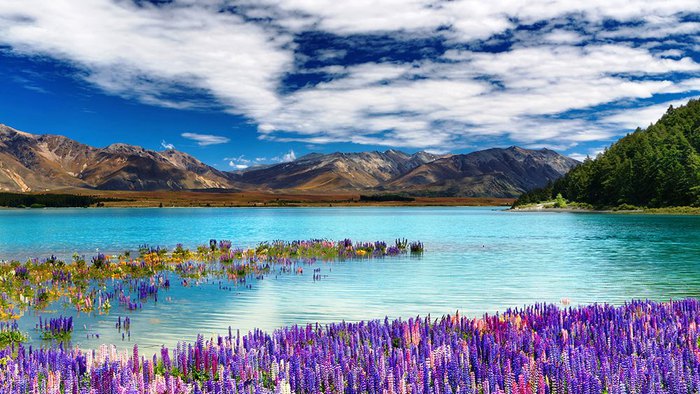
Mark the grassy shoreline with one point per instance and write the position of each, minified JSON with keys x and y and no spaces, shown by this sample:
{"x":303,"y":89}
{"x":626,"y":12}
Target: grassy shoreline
{"x":572,"y":208}
{"x":216,"y":199}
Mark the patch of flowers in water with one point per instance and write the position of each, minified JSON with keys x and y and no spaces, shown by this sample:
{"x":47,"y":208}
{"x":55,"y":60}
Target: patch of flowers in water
{"x":124,"y":327}
{"x":415,"y":247}
{"x":38,"y":284}
{"x":640,"y":347}
{"x":10,"y":334}
{"x":56,"y":328}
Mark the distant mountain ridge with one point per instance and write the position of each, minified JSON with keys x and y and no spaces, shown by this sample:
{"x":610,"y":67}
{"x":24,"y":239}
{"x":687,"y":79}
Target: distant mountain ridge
{"x":495,"y":172}
{"x":31,"y":162}
{"x":337,"y":171}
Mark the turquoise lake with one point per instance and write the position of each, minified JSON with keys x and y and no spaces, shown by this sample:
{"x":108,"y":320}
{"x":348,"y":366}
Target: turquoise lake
{"x":477,"y":260}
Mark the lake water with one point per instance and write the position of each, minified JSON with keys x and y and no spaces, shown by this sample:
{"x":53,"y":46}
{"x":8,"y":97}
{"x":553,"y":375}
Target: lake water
{"x":477,"y":260}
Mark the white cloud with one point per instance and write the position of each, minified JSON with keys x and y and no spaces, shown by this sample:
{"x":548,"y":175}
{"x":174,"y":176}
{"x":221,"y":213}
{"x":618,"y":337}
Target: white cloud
{"x":240,"y":159}
{"x":258,"y":161}
{"x":140,"y":51}
{"x":592,"y":153}
{"x":656,"y":28}
{"x":358,"y":16}
{"x":160,"y":54}
{"x":630,"y":119}
{"x":466,"y":19}
{"x":676,"y":53}
{"x":237,"y":166}
{"x":206,"y":139}
{"x":578,"y":156}
{"x":289,"y":156}
{"x":439,"y":104}
{"x":239,"y":163}
{"x":563,"y":37}
{"x":166,"y":145}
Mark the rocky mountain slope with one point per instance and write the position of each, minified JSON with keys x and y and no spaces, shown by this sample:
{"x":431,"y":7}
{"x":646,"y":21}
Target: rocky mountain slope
{"x":31,"y":162}
{"x":491,"y":172}
{"x":336,"y":171}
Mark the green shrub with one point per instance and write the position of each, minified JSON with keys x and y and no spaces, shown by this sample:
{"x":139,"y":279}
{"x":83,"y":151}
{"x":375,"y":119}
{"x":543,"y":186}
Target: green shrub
{"x":23,"y":200}
{"x":559,"y":201}
{"x":12,"y":337}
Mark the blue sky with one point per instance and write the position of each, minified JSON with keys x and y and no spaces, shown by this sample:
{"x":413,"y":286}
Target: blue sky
{"x":237,"y":83}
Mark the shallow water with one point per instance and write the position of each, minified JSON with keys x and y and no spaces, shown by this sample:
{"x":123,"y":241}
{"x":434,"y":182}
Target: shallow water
{"x":477,"y":260}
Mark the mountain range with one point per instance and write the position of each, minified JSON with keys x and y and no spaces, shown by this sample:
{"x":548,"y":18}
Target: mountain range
{"x":30,"y":162}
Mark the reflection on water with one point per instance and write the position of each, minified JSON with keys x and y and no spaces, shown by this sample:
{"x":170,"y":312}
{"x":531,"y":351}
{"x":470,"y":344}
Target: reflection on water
{"x":477,"y":260}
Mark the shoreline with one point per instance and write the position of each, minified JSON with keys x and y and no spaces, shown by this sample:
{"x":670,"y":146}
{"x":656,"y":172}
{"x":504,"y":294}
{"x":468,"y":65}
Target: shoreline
{"x":208,"y":199}
{"x":683,"y":211}
{"x":270,"y":206}
{"x":557,"y":210}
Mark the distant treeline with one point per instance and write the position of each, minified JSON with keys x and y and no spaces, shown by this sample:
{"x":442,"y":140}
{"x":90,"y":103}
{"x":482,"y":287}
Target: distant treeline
{"x":385,"y":197}
{"x":18,"y":200}
{"x":655,"y":167}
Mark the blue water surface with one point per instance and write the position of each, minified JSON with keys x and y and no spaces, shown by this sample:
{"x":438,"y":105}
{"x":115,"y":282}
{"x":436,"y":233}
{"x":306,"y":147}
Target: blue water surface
{"x":477,"y":260}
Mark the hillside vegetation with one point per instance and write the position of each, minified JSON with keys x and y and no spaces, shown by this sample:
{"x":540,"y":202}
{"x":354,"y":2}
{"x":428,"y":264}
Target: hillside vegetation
{"x":654,"y":167}
{"x":17,"y":200}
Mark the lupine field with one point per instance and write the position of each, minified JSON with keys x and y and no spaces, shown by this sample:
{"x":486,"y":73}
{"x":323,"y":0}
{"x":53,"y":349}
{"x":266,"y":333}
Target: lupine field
{"x":640,"y":347}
